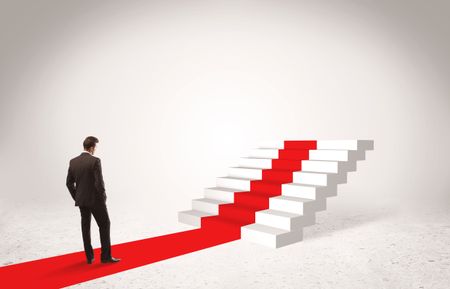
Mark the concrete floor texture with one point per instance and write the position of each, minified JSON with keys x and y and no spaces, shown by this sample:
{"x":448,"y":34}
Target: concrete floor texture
{"x":381,"y":247}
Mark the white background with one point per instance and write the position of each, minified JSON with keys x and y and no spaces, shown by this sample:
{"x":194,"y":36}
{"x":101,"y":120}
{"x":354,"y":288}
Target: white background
{"x":176,"y":91}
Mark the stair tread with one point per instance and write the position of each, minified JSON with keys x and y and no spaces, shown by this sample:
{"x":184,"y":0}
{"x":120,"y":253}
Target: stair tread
{"x":211,"y":201}
{"x":295,"y":199}
{"x":243,"y":207}
{"x":236,"y":178}
{"x":281,"y":170}
{"x":314,"y":173}
{"x":255,"y":194}
{"x":197,"y":213}
{"x":259,"y":169}
{"x":266,"y":229}
{"x":327,"y":173}
{"x":223,"y":189}
{"x":323,"y":161}
{"x":270,"y":182}
{"x":283,"y":149}
{"x":304,"y":185}
{"x":246,"y":168}
{"x":279,"y":213}
{"x":222,"y":219}
{"x":256,"y":158}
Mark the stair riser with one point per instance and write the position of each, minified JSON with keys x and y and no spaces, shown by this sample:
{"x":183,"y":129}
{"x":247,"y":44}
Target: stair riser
{"x":319,"y":179}
{"x":342,"y":156}
{"x":308,"y":192}
{"x":269,"y":240}
{"x":285,"y":223}
{"x":256,"y":174}
{"x":219,"y":195}
{"x":351,"y":145}
{"x":189,"y":220}
{"x":297,"y":207}
{"x":255,"y":163}
{"x":321,"y":166}
{"x":309,"y":179}
{"x":240,"y":185}
{"x":205,"y":207}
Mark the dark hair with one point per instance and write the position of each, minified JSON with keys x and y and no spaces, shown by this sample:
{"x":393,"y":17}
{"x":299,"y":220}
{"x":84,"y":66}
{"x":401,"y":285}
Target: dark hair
{"x":89,"y":142}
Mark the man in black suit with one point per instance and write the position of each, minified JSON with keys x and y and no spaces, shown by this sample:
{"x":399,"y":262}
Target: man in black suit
{"x":86,"y":186}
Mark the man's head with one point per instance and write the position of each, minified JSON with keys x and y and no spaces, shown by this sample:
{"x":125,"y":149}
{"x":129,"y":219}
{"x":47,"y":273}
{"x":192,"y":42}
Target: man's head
{"x":89,"y":144}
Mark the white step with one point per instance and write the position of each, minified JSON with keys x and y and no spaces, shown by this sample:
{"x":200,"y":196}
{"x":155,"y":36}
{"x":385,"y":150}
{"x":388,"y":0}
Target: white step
{"x":284,"y":220}
{"x":239,"y":184}
{"x":207,"y":205}
{"x":296,"y":205}
{"x":352,"y":145}
{"x":336,"y":155}
{"x":326,"y":144}
{"x":264,"y":153}
{"x":257,"y":163}
{"x":321,"y":166}
{"x":192,"y":217}
{"x":243,"y":172}
{"x":220,"y":194}
{"x":308,"y":191}
{"x":270,"y":236}
{"x":319,"y":179}
{"x":318,"y":155}
{"x":329,"y":155}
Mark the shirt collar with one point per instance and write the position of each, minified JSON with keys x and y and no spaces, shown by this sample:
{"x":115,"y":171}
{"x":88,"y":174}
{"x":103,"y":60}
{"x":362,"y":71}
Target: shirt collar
{"x":86,"y":152}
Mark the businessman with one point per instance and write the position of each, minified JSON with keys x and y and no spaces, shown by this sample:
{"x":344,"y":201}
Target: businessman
{"x":86,"y":186}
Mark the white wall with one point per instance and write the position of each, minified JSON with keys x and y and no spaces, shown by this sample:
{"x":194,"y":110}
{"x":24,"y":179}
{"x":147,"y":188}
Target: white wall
{"x":176,"y":91}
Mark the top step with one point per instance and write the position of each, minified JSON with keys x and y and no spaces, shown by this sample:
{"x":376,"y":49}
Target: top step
{"x":351,"y":145}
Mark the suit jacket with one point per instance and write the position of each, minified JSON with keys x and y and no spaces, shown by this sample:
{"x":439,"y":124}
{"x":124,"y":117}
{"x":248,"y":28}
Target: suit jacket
{"x":85,"y":180}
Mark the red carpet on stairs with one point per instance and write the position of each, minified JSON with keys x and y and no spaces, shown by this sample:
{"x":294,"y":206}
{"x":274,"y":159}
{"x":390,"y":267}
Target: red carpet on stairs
{"x":70,"y":269}
{"x":242,"y":211}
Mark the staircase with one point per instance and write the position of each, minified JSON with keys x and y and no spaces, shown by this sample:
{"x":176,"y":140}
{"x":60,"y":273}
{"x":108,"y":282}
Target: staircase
{"x":276,"y":191}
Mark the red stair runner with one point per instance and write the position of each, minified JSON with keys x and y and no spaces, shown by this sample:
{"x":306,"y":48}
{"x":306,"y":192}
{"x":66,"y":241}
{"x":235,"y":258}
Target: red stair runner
{"x":69,"y":269}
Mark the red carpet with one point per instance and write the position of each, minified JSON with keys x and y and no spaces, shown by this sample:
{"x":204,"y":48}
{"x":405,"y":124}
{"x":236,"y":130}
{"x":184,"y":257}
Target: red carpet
{"x":70,"y":269}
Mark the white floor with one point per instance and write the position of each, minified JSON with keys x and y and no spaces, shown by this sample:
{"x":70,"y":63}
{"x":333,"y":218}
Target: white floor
{"x":377,"y":248}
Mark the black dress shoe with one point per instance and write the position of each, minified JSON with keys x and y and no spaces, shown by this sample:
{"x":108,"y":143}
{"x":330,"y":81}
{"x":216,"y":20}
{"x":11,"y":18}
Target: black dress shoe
{"x":89,"y":261}
{"x":110,"y":260}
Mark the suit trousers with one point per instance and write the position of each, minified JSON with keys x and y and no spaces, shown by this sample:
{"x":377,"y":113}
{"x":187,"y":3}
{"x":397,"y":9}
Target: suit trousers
{"x":100,"y":213}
